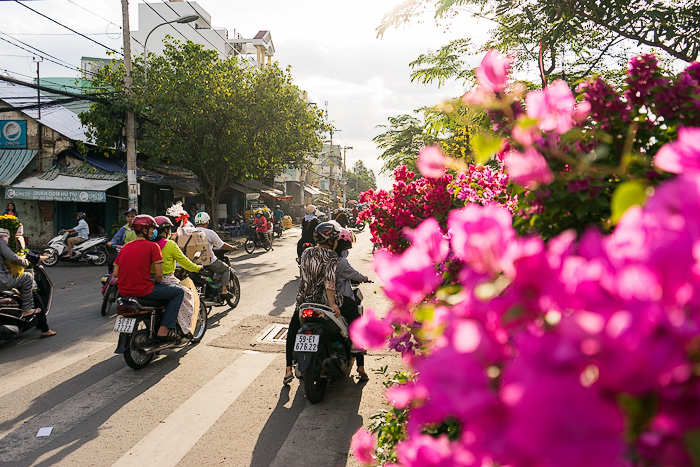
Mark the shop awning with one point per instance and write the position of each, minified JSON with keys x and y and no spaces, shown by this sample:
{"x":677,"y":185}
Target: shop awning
{"x":13,"y":162}
{"x":262,"y":188}
{"x":312,"y":190}
{"x":61,"y":188}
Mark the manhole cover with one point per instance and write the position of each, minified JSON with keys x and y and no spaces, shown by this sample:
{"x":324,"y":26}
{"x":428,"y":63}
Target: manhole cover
{"x":276,"y":333}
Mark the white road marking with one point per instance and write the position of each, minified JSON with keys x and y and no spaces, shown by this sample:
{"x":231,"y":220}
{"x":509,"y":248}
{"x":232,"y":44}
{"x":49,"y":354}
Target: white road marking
{"x":49,"y":365}
{"x":19,"y":439}
{"x":171,"y":440}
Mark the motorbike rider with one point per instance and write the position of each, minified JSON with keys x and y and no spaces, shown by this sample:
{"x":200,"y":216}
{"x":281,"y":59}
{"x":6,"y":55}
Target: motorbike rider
{"x":308,"y":225}
{"x":132,"y":268}
{"x":24,"y":283}
{"x":344,"y":275}
{"x":277,"y":216}
{"x":260,"y":224}
{"x":317,"y":284}
{"x":216,"y":266}
{"x":124,"y":235}
{"x":172,"y":254}
{"x":81,"y":230}
{"x":341,"y":217}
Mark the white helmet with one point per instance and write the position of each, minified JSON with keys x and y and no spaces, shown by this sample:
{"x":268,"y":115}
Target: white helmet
{"x":201,"y":218}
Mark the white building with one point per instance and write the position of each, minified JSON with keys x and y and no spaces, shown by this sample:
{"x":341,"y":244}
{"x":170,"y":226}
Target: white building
{"x":151,"y":19}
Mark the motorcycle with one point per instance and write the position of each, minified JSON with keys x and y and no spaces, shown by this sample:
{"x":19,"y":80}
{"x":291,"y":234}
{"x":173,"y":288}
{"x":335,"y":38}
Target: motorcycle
{"x":278,"y":229}
{"x":137,"y":323}
{"x":256,"y":240}
{"x":360,"y":226}
{"x":11,"y":321}
{"x":92,"y":250}
{"x":110,"y":293}
{"x":209,"y":284}
{"x":322,"y":348}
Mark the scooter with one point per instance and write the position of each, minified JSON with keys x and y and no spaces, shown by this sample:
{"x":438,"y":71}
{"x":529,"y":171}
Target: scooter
{"x":11,"y":321}
{"x":209,"y":284}
{"x":137,"y":323}
{"x":360,"y":226}
{"x":92,"y":250}
{"x":322,"y":348}
{"x":278,"y":229}
{"x":110,"y":293}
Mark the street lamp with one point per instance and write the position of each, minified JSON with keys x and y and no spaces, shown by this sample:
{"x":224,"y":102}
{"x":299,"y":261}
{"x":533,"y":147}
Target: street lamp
{"x":181,"y":20}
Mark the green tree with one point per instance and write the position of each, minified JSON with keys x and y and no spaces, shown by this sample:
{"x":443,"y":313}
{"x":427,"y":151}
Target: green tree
{"x":571,"y":38}
{"x":222,"y":119}
{"x":360,"y":179}
{"x":401,"y":141}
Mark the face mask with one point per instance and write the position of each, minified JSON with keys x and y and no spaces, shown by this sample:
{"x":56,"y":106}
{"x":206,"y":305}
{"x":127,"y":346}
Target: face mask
{"x":155,"y":234}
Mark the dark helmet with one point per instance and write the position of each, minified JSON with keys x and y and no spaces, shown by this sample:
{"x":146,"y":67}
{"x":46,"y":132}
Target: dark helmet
{"x":163,"y":222}
{"x":80,"y":214}
{"x":143,"y":222}
{"x":131,"y":211}
{"x":327,"y":231}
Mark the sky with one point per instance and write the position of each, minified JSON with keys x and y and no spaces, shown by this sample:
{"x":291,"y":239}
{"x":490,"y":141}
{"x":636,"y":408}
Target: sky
{"x":331,"y":46}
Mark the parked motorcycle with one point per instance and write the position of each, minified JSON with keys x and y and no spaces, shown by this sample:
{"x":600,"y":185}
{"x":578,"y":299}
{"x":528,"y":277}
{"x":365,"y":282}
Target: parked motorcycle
{"x":209,"y":284}
{"x":137,"y":323}
{"x":92,"y":250}
{"x":256,"y":240}
{"x":11,"y":321}
{"x":322,"y":348}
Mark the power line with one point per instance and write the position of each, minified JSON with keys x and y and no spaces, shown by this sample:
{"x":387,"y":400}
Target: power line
{"x":48,"y":59}
{"x":93,"y":13}
{"x":87,"y":97}
{"x":38,"y":51}
{"x":59,"y":33}
{"x":66,"y":27}
{"x":195,"y":29}
{"x":208,"y":24}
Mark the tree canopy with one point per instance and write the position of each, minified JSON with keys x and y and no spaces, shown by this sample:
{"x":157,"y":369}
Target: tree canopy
{"x":224,"y":120}
{"x":360,"y":179}
{"x":569,"y":38}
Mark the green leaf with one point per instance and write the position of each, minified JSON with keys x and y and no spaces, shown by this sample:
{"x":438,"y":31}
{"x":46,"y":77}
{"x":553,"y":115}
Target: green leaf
{"x":485,"y":146}
{"x":626,"y":195}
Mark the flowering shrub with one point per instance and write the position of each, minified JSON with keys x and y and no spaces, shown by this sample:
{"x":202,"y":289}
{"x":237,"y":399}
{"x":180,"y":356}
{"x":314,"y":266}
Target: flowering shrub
{"x":414,"y":199}
{"x":577,"y":351}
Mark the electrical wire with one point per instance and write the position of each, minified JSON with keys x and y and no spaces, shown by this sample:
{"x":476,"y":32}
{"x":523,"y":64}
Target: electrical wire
{"x":207,"y":22}
{"x":47,"y":59}
{"x":93,"y":13}
{"x":66,"y":27}
{"x":195,"y":29}
{"x":42,"y":53}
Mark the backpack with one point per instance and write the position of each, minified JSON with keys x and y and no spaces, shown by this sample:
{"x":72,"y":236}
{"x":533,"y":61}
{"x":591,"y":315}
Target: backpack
{"x":191,"y":242}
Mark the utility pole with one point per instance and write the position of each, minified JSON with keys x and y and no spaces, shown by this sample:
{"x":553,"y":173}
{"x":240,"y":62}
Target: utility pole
{"x":40,"y":130}
{"x":130,"y":121}
{"x":345,"y":173}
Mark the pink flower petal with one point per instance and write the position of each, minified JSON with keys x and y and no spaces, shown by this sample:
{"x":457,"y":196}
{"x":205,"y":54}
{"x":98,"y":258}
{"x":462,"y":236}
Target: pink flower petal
{"x":369,"y":332}
{"x":431,"y":162}
{"x":362,"y":447}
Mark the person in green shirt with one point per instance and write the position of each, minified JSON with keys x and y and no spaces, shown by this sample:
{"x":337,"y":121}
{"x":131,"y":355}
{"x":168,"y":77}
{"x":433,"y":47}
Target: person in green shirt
{"x":173,"y":254}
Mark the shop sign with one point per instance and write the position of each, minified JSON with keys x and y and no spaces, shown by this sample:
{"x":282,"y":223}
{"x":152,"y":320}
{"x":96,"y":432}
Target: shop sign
{"x":250,"y":196}
{"x":45,"y":194}
{"x":13,"y":134}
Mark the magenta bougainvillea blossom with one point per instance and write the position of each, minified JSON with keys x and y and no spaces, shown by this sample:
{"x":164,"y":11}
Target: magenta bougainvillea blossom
{"x":577,"y":351}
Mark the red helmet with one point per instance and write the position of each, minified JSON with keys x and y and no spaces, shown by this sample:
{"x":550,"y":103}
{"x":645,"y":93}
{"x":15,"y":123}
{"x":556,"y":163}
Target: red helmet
{"x":163,"y":221}
{"x":143,"y":222}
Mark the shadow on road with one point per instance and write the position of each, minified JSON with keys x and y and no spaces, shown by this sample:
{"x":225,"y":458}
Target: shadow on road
{"x":286,"y":297}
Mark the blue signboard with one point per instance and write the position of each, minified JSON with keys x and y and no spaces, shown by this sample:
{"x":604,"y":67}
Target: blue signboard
{"x":13,"y":134}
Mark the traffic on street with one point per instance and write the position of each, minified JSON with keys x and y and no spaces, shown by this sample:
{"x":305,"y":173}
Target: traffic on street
{"x":71,"y":400}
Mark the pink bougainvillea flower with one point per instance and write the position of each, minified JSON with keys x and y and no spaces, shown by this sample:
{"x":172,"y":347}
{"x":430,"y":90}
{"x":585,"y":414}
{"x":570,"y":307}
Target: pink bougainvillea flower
{"x":362,"y":447}
{"x":481,"y":235}
{"x":408,"y":277}
{"x":370,"y":332}
{"x":528,"y":168}
{"x":493,"y":72}
{"x":682,"y":155}
{"x":429,"y":237}
{"x":427,"y":451}
{"x":553,"y":107}
{"x":431,"y":162}
{"x":524,"y":134}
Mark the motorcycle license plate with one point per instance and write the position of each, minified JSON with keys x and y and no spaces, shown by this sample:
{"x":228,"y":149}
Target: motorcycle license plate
{"x":124,"y":324}
{"x":306,"y":343}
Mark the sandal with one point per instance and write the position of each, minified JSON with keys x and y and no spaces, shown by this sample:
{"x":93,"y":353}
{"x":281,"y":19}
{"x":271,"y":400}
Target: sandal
{"x":287,"y":380}
{"x":171,"y":336}
{"x":48,"y":333}
{"x":363,"y":377}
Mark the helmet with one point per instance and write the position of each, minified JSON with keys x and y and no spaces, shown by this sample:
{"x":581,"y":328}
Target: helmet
{"x":346,"y":235}
{"x":163,"y":221}
{"x":131,"y":211}
{"x":80,"y":214}
{"x":327,"y":231}
{"x":310,"y":209}
{"x":143,"y":222}
{"x":278,"y":207}
{"x":202,"y":218}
